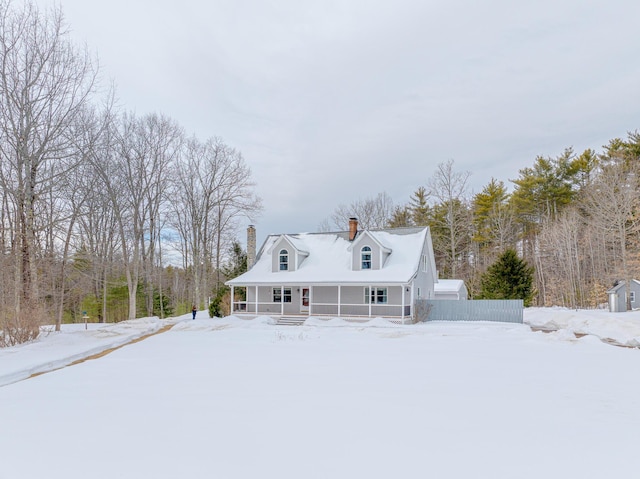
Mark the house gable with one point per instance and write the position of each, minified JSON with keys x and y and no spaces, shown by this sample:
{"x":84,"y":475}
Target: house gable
{"x":285,"y":256}
{"x":368,"y":253}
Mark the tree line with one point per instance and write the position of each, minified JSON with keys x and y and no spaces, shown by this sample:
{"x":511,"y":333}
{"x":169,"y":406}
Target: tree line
{"x":95,"y":201}
{"x":575,"y":218}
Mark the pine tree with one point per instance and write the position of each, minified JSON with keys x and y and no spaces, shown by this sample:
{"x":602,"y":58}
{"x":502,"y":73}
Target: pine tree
{"x":508,"y":278}
{"x":401,"y":217}
{"x":489,"y":210}
{"x":237,"y":263}
{"x":419,"y":207}
{"x":235,"y":266}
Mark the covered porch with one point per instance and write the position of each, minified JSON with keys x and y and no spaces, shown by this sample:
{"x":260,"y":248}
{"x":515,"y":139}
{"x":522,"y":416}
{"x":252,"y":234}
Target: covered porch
{"x":355,"y":300}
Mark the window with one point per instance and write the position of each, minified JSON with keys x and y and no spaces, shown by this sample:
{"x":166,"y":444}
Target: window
{"x":284,"y":260}
{"x":278,"y":297}
{"x":632,"y":296}
{"x":377,"y":295}
{"x":424,"y":263}
{"x":366,"y":257}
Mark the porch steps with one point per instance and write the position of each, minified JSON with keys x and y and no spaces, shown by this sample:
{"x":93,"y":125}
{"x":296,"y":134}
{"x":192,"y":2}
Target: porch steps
{"x":291,"y":320}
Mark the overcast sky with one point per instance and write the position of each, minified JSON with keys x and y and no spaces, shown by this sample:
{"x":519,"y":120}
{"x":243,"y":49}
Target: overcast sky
{"x":334,"y":101}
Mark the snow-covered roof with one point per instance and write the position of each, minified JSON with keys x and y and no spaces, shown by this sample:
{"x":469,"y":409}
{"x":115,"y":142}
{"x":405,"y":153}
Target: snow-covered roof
{"x":620,"y":284}
{"x":329,"y":260}
{"x":295,"y":244}
{"x":448,"y":285}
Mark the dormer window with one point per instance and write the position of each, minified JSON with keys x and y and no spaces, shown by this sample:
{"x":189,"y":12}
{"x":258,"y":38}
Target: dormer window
{"x":284,"y":260}
{"x":366,"y":257}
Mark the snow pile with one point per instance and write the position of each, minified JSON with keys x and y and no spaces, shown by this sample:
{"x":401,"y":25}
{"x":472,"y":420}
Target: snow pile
{"x":621,"y":329}
{"x":53,"y":350}
{"x":331,"y":322}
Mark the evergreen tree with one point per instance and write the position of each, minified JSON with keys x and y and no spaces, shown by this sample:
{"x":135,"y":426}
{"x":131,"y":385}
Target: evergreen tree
{"x":237,"y":263}
{"x":401,"y":217}
{"x":583,"y":168}
{"x":542,"y":191}
{"x":419,"y":207}
{"x":508,"y":278}
{"x":489,"y":208}
{"x":235,"y":266}
{"x":621,"y":151}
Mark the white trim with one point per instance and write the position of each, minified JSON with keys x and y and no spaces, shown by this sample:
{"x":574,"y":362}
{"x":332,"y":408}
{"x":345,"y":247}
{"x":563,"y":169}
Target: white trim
{"x":283,"y":253}
{"x":362,"y":253}
{"x":373,"y":238}
{"x":303,"y":308}
{"x":402,"y":293}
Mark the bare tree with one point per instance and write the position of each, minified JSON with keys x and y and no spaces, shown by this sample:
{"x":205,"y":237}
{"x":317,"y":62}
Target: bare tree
{"x":562,"y":261}
{"x":45,"y":82}
{"x":99,"y":221}
{"x":372,"y":213}
{"x":90,"y":234}
{"x":449,"y":187}
{"x":612,"y":203}
{"x":234,"y":198}
{"x":136,"y":177}
{"x":213,"y":188}
{"x":163,"y":139}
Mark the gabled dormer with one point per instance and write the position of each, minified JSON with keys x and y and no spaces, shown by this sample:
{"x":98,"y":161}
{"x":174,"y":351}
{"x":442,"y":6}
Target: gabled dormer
{"x":285,"y":255}
{"x":367,"y":252}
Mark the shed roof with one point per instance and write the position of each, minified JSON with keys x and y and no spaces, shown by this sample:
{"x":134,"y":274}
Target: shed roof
{"x":449,"y":286}
{"x":621,"y":284}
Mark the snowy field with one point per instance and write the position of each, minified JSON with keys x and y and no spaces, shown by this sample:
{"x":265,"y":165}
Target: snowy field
{"x":233,"y":398}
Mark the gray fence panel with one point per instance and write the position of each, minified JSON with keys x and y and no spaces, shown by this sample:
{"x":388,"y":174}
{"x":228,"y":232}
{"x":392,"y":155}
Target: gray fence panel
{"x":504,"y":311}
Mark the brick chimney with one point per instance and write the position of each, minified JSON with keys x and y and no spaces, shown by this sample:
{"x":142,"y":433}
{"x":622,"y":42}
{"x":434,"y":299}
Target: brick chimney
{"x":353,"y":228}
{"x":251,"y":246}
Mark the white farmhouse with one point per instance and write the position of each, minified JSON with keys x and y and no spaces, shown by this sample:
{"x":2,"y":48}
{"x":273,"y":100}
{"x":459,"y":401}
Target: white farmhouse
{"x":351,"y":273}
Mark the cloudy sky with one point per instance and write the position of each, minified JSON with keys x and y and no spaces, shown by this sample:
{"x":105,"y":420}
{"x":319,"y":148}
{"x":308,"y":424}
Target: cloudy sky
{"x":334,"y":101}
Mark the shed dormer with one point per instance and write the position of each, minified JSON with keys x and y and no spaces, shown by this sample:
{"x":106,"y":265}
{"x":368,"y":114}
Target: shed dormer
{"x":367,"y":252}
{"x":285,"y":256}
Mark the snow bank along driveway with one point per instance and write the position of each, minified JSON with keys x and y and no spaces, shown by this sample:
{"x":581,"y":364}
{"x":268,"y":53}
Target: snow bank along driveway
{"x":54,"y":350}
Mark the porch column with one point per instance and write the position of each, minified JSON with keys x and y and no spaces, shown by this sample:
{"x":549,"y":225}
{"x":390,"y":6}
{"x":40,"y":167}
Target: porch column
{"x":231,"y":312}
{"x":412,"y":299}
{"x":281,"y":300}
{"x":369,"y":299}
{"x":402,"y":295}
{"x":339,"y":299}
{"x":310,"y":300}
{"x":256,"y":301}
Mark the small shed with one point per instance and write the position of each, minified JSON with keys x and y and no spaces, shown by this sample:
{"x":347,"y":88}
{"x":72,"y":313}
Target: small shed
{"x":450,"y":289}
{"x":618,"y":296}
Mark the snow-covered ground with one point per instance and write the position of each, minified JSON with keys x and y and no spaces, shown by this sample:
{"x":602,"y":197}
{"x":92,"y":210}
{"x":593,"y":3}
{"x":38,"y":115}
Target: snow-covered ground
{"x":236,"y":398}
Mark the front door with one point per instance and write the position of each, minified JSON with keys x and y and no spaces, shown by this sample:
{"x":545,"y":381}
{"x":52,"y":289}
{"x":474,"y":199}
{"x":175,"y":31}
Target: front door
{"x":304,"y":300}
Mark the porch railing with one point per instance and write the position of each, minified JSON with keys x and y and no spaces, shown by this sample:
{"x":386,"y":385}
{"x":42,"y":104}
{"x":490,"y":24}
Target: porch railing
{"x":325,"y":309}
